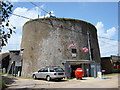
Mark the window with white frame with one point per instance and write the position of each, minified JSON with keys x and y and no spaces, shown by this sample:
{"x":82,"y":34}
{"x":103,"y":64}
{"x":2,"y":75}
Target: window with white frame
{"x":74,"y":52}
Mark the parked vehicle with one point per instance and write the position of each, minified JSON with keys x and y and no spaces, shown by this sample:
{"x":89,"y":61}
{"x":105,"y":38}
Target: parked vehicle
{"x":49,"y":73}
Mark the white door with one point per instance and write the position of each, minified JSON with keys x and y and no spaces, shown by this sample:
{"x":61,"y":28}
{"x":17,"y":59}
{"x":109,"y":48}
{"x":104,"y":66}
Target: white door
{"x":45,"y":72}
{"x":40,"y":73}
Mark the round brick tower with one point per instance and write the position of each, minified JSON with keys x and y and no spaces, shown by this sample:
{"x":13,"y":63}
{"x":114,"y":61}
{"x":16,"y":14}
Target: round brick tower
{"x":54,"y":41}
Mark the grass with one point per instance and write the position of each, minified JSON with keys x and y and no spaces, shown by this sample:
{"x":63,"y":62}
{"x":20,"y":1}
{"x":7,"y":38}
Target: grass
{"x":23,"y":77}
{"x":112,"y":74}
{"x":18,"y":77}
{"x":3,"y":73}
{"x":67,"y":79}
{"x":2,"y":84}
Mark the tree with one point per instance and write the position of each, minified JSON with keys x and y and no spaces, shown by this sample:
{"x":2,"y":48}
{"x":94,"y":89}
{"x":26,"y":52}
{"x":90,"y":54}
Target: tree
{"x":6,"y":30}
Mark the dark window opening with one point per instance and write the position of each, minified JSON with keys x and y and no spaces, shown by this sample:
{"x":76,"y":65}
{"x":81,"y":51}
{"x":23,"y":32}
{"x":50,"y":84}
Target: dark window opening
{"x":45,"y":70}
{"x":74,"y":50}
{"x":51,"y":70}
{"x":92,"y":54}
{"x":59,"y":70}
{"x":73,"y":68}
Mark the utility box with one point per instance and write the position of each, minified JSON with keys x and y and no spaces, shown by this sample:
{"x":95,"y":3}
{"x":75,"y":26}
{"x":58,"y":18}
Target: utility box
{"x":99,"y":74}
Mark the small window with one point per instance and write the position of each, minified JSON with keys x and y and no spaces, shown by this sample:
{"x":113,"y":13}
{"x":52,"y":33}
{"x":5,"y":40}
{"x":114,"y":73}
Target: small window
{"x":41,"y":70}
{"x":51,"y":70}
{"x":74,"y":50}
{"x":59,"y":70}
{"x":45,"y":70}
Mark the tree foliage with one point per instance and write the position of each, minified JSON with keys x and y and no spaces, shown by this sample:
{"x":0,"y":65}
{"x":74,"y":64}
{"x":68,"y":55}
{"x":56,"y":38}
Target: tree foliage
{"x":6,"y":29}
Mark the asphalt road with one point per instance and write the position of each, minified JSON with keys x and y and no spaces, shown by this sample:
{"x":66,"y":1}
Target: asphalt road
{"x":87,"y":82}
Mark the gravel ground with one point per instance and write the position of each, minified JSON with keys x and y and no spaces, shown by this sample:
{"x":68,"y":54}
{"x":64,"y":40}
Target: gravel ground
{"x":87,"y":82}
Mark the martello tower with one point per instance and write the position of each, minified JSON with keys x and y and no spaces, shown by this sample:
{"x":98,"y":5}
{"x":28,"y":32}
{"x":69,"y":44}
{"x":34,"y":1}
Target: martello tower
{"x":68,"y":43}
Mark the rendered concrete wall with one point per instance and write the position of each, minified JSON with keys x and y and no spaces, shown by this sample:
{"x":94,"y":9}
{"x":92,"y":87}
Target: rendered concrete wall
{"x":46,"y":42}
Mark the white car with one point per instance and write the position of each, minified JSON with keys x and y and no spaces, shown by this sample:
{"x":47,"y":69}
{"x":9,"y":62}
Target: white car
{"x":49,"y":73}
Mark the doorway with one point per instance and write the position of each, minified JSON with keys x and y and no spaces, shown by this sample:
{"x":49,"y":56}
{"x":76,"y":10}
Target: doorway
{"x":73,"y":68}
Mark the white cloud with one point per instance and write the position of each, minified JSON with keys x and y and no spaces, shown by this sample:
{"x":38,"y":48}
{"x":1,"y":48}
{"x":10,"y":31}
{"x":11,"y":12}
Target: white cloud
{"x":18,"y":22}
{"x":50,"y":13}
{"x":14,"y":43}
{"x":13,"y":0}
{"x":111,"y":32}
{"x":105,"y":33}
{"x":32,"y":14}
{"x":107,"y":46}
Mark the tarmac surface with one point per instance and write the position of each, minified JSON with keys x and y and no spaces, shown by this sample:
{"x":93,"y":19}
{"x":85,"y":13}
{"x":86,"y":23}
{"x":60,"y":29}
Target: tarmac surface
{"x":87,"y":82}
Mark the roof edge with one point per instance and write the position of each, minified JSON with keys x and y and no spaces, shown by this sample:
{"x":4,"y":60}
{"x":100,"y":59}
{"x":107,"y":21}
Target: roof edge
{"x":66,"y":19}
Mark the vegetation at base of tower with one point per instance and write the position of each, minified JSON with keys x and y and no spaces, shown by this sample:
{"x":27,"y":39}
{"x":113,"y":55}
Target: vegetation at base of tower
{"x":2,"y":84}
{"x":6,"y":29}
{"x":61,"y":19}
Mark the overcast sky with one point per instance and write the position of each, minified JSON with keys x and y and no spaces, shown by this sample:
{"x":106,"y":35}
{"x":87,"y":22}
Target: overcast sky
{"x":103,"y":15}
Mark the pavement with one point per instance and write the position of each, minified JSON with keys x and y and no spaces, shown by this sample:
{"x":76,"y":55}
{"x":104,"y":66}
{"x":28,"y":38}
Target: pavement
{"x":108,"y":82}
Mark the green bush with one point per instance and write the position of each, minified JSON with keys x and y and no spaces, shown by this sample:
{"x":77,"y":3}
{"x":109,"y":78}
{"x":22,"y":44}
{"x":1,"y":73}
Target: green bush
{"x":2,"y":84}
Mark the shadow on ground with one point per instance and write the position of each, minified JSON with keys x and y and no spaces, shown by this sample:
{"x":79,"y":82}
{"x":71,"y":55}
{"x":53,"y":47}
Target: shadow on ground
{"x":53,"y":80}
{"x":8,"y":80}
{"x":63,"y":89}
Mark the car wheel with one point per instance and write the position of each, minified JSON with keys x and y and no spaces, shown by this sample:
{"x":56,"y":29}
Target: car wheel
{"x":48,"y":78}
{"x":34,"y":76}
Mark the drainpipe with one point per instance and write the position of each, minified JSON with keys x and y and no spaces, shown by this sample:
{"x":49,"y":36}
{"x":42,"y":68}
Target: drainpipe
{"x":89,"y":47}
{"x":90,"y":53}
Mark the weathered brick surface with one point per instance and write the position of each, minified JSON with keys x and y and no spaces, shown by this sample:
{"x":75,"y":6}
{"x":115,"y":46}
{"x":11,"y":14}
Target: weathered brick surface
{"x":46,"y":42}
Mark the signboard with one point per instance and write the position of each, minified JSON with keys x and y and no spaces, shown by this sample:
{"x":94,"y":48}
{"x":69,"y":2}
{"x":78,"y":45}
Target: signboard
{"x":74,"y":55}
{"x":92,"y":66}
{"x":103,"y":71}
{"x":115,"y":57}
{"x":18,"y":63}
